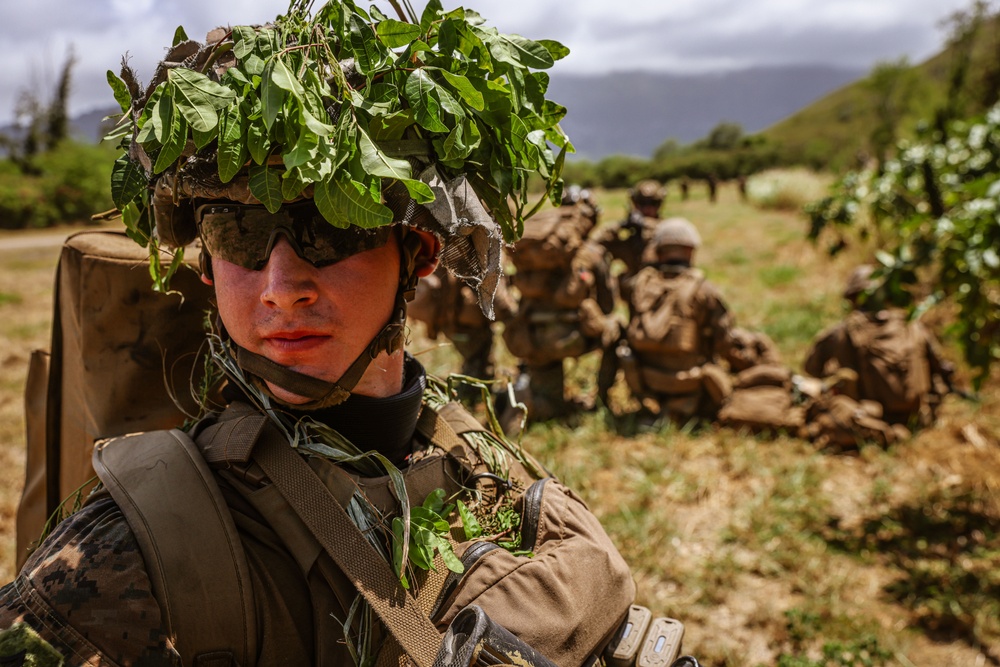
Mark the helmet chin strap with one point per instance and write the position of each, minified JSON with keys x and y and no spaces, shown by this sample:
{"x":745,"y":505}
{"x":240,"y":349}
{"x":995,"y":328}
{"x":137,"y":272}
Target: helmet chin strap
{"x":322,"y":393}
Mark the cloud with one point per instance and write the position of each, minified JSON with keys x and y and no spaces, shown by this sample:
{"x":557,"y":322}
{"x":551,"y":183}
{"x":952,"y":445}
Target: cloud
{"x":676,"y":35}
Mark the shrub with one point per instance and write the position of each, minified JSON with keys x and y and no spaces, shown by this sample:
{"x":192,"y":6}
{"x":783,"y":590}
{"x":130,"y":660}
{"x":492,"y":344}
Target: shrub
{"x":786,"y":189}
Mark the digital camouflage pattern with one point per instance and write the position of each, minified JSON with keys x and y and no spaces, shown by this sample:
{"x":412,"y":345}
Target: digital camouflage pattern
{"x":86,"y":592}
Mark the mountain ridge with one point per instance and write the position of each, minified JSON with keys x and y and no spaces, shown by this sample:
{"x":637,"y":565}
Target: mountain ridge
{"x":659,"y":105}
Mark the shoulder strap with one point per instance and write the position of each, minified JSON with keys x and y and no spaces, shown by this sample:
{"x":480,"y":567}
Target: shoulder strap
{"x":211,"y":607}
{"x":343,"y":540}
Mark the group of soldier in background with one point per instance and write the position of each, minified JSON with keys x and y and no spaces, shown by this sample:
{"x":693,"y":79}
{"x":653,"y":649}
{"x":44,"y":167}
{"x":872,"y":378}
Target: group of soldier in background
{"x":667,"y":331}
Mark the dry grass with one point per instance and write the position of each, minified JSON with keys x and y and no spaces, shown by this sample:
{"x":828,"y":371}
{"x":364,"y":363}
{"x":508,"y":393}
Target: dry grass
{"x":766,"y":549}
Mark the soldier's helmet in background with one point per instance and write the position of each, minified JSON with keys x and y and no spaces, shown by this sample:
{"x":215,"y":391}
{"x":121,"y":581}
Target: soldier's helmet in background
{"x":676,"y":232}
{"x":859,"y":281}
{"x":648,"y":192}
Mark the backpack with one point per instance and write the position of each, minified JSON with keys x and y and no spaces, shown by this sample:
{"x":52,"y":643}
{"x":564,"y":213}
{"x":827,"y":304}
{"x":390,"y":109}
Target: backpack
{"x":892,"y":364}
{"x":552,"y":237}
{"x":122,"y":359}
{"x":663,"y":327}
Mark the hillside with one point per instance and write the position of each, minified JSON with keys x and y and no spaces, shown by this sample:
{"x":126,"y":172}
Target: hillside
{"x":631,"y":113}
{"x":838,"y":127}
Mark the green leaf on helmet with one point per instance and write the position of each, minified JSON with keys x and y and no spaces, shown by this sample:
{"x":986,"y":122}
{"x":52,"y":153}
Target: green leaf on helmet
{"x":396,"y":34}
{"x":233,"y":151}
{"x":138,"y":225}
{"x":377,"y":163}
{"x":173,"y":143}
{"x":258,"y":142}
{"x":199,"y":98}
{"x":431,"y":13}
{"x":369,"y":54}
{"x":244,"y":41}
{"x":420,"y":191}
{"x":265,"y":185}
{"x":353,"y":202}
{"x":292,"y":184}
{"x":466,"y":91}
{"x":423,"y":95}
{"x":556,"y":50}
{"x":179,"y":36}
{"x":128,"y":181}
{"x":528,"y":52}
{"x":120,"y":91}
{"x":272,"y":92}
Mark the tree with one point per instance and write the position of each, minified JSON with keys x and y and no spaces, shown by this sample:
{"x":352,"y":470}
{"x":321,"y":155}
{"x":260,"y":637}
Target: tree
{"x":893,"y":86}
{"x":41,"y":127}
{"x":934,"y":208}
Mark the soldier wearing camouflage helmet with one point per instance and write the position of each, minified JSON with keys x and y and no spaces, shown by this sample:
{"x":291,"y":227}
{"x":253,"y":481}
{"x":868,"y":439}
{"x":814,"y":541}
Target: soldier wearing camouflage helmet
{"x":678,"y":347}
{"x":626,"y":240}
{"x":308,"y":522}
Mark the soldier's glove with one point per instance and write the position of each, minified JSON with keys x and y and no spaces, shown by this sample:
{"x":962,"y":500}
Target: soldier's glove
{"x":474,"y":639}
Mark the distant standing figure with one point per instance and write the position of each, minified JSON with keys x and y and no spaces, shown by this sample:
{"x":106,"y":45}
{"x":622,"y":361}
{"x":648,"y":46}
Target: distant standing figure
{"x":446,"y":305}
{"x":713,"y":189}
{"x":897,"y":361}
{"x":627,"y":239}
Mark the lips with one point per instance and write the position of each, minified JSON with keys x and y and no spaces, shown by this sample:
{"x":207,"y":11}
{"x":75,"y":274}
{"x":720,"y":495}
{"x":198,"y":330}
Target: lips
{"x":294,"y":342}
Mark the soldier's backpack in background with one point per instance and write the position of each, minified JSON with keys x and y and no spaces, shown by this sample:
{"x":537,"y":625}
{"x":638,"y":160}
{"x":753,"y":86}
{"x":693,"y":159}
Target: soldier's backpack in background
{"x":551,"y":238}
{"x":122,"y":359}
{"x":892,"y":363}
{"x":663,"y":324}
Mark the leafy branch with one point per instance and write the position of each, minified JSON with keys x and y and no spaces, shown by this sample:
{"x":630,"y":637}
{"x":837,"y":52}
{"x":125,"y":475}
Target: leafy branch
{"x":336,"y":102}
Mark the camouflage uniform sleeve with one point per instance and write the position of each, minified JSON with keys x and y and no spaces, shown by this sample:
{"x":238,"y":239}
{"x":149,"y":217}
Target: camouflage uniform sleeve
{"x":85,"y":591}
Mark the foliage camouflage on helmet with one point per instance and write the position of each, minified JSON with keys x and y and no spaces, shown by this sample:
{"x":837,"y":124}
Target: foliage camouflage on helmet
{"x":338,"y":103}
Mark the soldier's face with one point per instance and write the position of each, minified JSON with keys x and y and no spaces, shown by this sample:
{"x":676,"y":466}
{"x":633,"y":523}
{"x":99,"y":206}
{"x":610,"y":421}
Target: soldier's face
{"x":313,"y":320}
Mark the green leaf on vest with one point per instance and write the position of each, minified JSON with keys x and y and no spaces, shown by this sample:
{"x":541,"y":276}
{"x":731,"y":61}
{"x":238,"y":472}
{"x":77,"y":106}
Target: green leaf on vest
{"x":245,"y":40}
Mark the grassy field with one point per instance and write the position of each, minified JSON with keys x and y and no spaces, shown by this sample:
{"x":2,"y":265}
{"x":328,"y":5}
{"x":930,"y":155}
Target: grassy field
{"x":771,"y":553}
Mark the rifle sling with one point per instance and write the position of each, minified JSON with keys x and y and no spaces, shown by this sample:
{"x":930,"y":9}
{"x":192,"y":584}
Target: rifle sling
{"x":342,"y":539}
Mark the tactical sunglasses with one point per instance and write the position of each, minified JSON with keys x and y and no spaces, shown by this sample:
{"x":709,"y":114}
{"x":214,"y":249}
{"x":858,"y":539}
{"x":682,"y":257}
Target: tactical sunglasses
{"x":245,"y":234}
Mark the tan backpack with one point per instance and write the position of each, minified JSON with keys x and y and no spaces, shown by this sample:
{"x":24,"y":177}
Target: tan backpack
{"x":663,"y":321}
{"x":122,"y":359}
{"x":892,"y":364}
{"x":552,"y":237}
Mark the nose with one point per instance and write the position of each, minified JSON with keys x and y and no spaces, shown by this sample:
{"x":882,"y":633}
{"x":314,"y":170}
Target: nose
{"x":289,"y":280}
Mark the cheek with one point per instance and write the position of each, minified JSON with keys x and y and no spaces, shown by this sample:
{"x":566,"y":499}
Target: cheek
{"x":235,"y":295}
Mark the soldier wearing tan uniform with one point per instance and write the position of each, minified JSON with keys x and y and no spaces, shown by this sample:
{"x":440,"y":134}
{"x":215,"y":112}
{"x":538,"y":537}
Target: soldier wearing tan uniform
{"x":566,"y":299}
{"x":627,"y":240}
{"x":680,"y":329}
{"x":897,"y":360}
{"x":313,"y":519}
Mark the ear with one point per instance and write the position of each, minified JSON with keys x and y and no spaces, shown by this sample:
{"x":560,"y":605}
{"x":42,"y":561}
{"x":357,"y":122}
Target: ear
{"x":427,"y":256}
{"x":205,"y":264}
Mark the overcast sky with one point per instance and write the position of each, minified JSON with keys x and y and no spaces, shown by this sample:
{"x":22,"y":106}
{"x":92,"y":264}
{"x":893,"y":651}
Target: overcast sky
{"x":675,"y":35}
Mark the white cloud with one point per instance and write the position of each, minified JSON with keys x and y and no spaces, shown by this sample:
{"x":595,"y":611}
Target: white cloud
{"x":691,"y":35}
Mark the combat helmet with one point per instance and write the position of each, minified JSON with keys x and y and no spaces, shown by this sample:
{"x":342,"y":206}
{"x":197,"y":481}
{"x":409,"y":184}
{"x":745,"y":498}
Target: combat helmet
{"x":859,"y":281}
{"x":350,"y":115}
{"x":648,"y":192}
{"x":675,"y":232}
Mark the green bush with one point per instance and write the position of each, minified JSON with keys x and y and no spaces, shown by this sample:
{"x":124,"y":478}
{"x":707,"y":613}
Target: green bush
{"x":72,"y":183}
